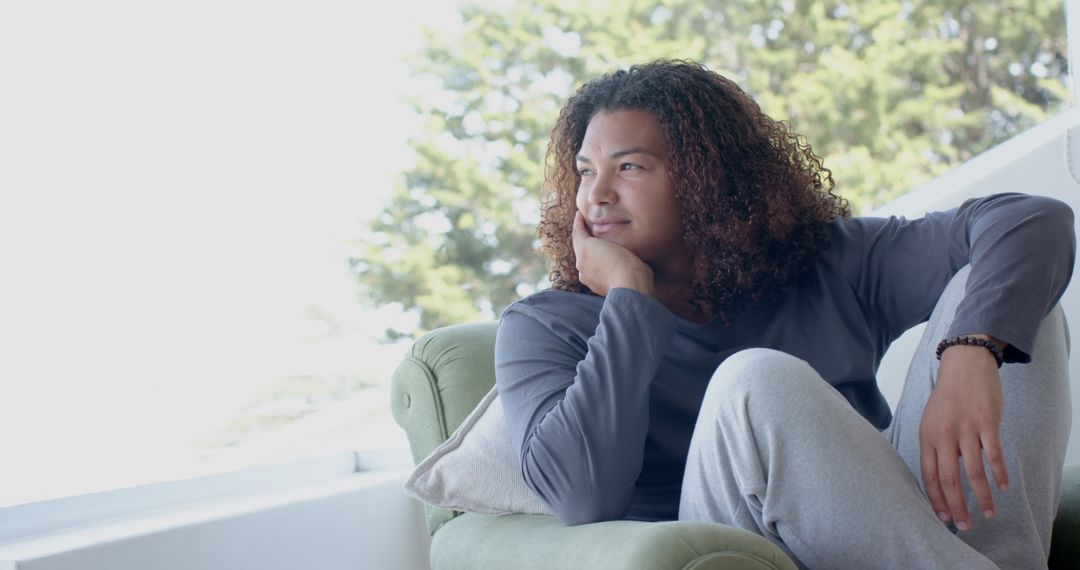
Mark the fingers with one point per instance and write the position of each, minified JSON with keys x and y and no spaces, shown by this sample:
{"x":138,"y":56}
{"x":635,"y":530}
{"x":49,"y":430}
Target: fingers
{"x":929,"y":466}
{"x":973,"y":465}
{"x":941,"y":475}
{"x":996,"y":458}
{"x":578,"y":235}
{"x":944,"y":482}
{"x":949,"y":476}
{"x":580,"y":229}
{"x":580,"y":232}
{"x":582,"y":260}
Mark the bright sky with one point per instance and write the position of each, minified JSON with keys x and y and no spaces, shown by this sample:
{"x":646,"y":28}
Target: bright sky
{"x":177,"y":183}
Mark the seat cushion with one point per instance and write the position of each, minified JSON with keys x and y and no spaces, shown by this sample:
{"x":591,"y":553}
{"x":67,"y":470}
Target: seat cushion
{"x":523,"y":542}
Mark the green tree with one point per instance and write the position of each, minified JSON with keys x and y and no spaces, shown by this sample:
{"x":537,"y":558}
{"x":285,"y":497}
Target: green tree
{"x":890,"y":93}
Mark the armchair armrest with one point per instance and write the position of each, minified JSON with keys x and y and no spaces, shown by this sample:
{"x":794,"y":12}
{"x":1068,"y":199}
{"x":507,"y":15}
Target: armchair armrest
{"x":528,"y":542}
{"x":1065,"y":546}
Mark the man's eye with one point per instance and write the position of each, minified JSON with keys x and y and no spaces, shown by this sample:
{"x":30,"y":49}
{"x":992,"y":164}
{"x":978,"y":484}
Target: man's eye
{"x":629,"y":166}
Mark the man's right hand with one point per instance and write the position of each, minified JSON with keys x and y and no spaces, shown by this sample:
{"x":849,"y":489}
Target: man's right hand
{"x":603,"y":265}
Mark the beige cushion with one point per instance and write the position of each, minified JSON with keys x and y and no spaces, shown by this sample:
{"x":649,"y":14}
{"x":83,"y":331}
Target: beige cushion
{"x":476,"y":470}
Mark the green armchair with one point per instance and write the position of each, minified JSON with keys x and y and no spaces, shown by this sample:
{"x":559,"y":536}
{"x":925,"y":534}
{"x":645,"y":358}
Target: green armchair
{"x":441,"y":380}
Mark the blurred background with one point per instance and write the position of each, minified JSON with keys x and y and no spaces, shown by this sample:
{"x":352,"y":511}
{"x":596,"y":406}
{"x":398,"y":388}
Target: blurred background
{"x":223,"y":223}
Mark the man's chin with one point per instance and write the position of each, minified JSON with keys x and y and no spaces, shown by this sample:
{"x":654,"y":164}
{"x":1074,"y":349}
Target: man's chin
{"x":617,"y":240}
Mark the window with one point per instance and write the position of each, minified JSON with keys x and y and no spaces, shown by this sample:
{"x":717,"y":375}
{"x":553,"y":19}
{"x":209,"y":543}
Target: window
{"x":890,"y":94}
{"x":223,"y":222}
{"x":180,"y":185}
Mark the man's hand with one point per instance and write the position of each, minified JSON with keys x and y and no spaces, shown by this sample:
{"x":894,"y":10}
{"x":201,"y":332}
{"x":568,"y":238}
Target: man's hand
{"x":603,"y":266}
{"x":962,"y":420}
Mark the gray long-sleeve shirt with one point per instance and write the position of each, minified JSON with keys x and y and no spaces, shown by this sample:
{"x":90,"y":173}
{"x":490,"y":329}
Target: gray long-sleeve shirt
{"x":601,"y":393}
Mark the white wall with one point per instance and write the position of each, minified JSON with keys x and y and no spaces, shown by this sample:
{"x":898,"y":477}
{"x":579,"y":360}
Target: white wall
{"x":347,"y":520}
{"x":1033,"y":163}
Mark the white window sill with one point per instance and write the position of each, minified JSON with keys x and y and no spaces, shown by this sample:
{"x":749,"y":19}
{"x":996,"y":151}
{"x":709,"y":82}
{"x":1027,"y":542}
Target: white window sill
{"x":355,"y":498}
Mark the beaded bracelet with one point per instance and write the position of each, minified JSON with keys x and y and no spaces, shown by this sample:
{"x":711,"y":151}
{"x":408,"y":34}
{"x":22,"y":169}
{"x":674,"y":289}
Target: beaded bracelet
{"x":971,"y":341}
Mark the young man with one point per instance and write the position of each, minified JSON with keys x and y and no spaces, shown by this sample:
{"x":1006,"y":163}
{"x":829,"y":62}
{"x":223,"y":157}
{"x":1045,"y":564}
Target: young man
{"x":708,"y":349}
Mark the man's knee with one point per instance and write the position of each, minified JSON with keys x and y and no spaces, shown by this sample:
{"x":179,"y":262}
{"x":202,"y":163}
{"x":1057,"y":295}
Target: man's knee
{"x":764,"y":371}
{"x":763,"y":393}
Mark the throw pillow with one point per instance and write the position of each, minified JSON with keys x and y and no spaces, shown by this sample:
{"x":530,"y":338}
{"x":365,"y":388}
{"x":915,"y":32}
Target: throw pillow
{"x":476,"y":470}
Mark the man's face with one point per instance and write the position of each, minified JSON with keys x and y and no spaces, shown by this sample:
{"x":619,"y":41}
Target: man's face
{"x":626,"y":192}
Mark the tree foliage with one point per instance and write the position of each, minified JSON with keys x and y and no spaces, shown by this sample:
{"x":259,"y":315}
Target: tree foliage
{"x":891,"y":93}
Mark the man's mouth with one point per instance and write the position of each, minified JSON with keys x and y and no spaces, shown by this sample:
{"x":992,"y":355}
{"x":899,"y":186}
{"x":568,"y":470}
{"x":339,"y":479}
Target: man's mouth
{"x":606,"y":225}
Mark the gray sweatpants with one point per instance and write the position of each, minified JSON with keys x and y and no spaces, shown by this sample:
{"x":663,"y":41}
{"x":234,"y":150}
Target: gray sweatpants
{"x":778,"y":451}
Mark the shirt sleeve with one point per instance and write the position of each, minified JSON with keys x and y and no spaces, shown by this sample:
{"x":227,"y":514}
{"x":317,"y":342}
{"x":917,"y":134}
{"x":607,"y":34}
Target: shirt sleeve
{"x":577,"y":407}
{"x":1021,"y":250}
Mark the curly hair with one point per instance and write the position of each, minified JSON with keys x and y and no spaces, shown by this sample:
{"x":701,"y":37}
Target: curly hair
{"x":755,"y":198}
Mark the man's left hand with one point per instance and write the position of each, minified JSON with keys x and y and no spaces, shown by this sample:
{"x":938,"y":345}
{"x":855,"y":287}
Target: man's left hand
{"x":961,"y":421}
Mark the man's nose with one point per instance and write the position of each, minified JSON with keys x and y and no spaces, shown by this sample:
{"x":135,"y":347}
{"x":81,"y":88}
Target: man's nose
{"x":603,"y":192}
